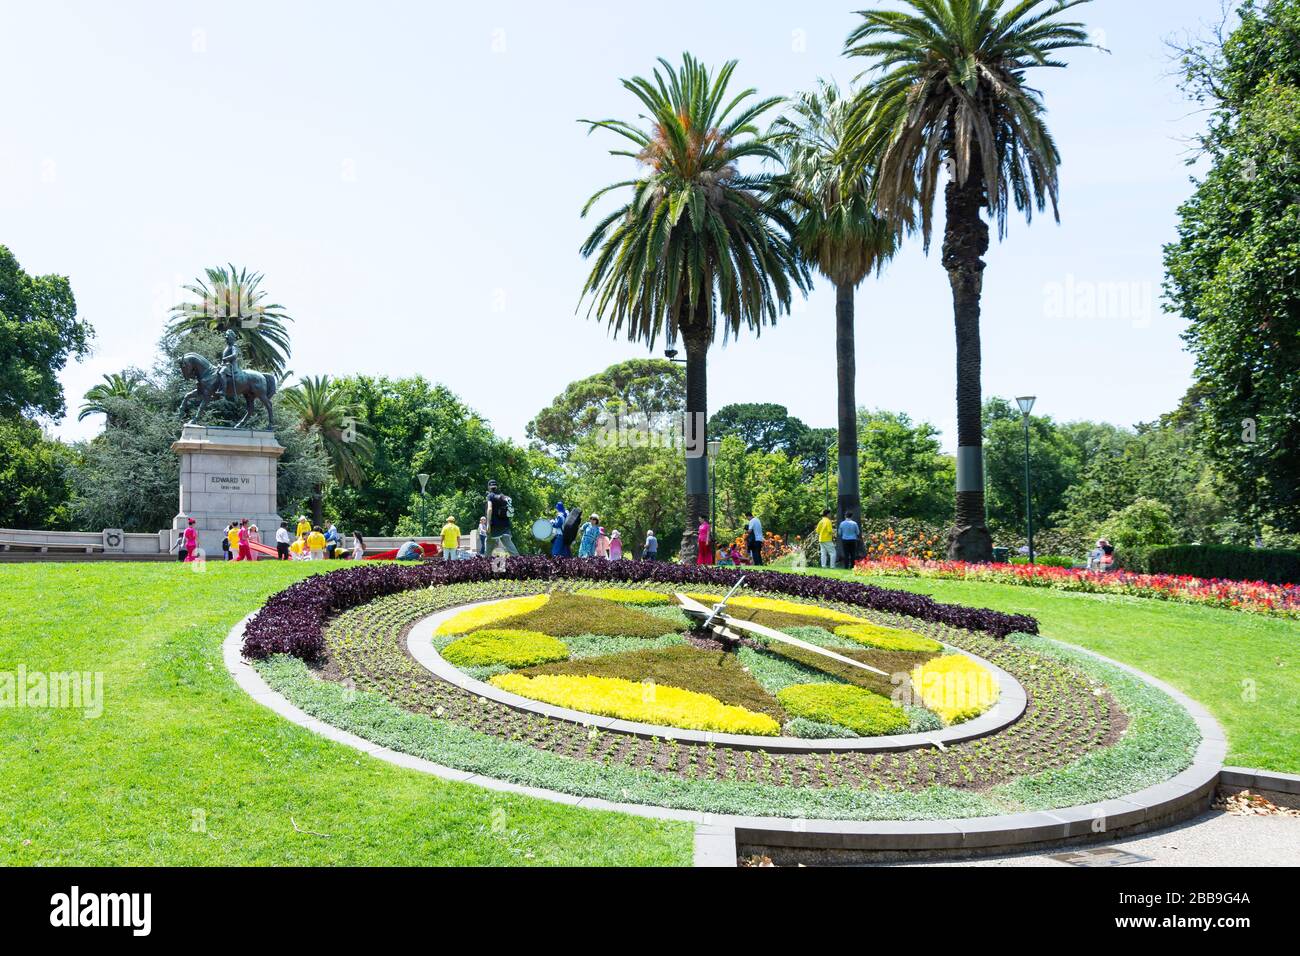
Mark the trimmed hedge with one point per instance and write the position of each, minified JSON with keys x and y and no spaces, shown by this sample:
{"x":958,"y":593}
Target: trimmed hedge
{"x":506,"y":647}
{"x":861,"y":711}
{"x":292,"y":621}
{"x":1227,"y":563}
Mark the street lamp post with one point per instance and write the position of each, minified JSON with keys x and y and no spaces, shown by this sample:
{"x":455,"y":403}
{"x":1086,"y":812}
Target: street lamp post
{"x":714,"y":447}
{"x":828,"y":472}
{"x":1026,"y":406}
{"x":424,"y":517}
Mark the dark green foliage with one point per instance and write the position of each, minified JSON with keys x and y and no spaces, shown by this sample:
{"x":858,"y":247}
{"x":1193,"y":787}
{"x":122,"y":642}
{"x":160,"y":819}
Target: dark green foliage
{"x":34,"y":489}
{"x":39,"y":332}
{"x":1232,"y":274}
{"x":1226,"y":562}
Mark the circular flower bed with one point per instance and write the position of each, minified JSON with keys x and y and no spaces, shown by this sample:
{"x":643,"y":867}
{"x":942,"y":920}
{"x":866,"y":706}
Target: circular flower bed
{"x":1089,"y":732}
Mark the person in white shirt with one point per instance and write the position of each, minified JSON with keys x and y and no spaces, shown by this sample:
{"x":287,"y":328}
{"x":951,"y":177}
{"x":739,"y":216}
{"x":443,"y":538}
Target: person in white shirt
{"x":282,"y":541}
{"x":754,"y":532}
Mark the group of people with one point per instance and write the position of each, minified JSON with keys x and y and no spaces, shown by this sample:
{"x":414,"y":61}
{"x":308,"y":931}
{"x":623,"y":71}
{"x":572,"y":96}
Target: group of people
{"x":848,"y":535}
{"x":313,"y":544}
{"x":707,"y":553}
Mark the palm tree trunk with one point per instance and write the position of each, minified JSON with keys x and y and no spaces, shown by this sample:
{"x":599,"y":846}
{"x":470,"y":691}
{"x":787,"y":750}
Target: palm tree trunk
{"x":696,"y":447}
{"x":318,"y":506}
{"x":850,"y":485}
{"x":965,"y":242}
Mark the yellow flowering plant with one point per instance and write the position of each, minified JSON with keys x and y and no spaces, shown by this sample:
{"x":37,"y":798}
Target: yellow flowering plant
{"x":955,"y":687}
{"x":510,"y":648}
{"x":776,"y":605}
{"x":889,"y":638}
{"x":644,"y":702}
{"x":483,"y":615}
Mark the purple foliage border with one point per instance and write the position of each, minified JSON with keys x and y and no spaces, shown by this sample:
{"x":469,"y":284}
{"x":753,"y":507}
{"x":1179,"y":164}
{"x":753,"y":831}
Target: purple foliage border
{"x":293,"y":621}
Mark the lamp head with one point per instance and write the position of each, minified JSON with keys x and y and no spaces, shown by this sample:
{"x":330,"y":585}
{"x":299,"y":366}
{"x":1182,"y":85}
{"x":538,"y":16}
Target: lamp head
{"x":1026,"y":404}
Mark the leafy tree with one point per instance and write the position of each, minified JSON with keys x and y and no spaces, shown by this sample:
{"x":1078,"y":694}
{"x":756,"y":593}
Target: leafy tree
{"x":905,"y":473}
{"x":1232,"y":274}
{"x":652,"y":391}
{"x":952,"y":93}
{"x":233,"y":299}
{"x":768,"y":427}
{"x":1138,"y":529}
{"x":1053,"y":461}
{"x":117,"y":386}
{"x":325,"y":414}
{"x":34,"y":488}
{"x":839,"y":233}
{"x":416,"y":428}
{"x":39,"y":332}
{"x":699,"y":242}
{"x":632,"y":489}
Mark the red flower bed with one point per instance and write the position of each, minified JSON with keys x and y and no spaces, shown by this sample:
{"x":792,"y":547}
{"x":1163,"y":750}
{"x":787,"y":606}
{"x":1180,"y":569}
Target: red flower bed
{"x":1257,"y":597}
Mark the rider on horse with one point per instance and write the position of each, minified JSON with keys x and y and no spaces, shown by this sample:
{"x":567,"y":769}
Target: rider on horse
{"x":228,"y":370}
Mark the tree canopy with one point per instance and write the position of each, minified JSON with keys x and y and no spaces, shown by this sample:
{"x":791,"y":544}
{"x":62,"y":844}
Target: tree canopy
{"x":39,"y":332}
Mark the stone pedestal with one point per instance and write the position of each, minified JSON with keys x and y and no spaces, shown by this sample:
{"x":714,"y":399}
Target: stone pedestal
{"x":227,"y":474}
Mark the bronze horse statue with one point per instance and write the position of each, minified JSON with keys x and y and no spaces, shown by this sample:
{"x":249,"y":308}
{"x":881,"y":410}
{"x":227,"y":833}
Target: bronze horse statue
{"x":214,"y":382}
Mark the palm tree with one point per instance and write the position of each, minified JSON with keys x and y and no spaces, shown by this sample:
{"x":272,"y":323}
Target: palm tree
{"x":951,"y":94}
{"x":324,"y":411}
{"x":232,"y":299}
{"x":839,"y":232}
{"x":699,"y":242}
{"x":115,"y":387}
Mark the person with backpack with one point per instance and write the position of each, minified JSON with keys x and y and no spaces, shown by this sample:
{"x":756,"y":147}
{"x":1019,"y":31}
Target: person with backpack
{"x":754,"y":538}
{"x":499,"y":511}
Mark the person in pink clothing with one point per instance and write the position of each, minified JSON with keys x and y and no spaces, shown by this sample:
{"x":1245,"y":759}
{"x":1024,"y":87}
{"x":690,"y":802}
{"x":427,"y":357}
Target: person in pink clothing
{"x":704,"y":550}
{"x":245,"y":552}
{"x":190,"y":541}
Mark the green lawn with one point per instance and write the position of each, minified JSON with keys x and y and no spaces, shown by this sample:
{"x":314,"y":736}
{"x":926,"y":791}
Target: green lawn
{"x":1244,"y":668}
{"x":183,"y":768}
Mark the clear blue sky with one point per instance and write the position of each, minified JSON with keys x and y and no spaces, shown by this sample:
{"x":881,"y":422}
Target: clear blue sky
{"x":409,"y":179}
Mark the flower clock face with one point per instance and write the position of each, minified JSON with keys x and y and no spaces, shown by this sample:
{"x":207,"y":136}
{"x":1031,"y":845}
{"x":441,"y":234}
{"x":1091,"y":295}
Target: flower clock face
{"x":800,"y":696}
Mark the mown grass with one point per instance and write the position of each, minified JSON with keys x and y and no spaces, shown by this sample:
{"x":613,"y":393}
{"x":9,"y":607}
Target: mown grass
{"x":183,"y":768}
{"x":1244,"y":668}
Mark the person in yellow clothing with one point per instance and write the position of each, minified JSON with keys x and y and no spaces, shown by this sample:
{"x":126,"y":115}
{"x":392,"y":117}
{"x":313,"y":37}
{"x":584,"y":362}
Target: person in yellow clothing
{"x":232,"y":536}
{"x":298,"y":548}
{"x":304,"y":527}
{"x":450,"y":540}
{"x":826,"y":540}
{"x":316,"y":544}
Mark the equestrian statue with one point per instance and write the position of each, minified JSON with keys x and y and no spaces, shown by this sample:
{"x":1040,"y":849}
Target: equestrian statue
{"x":227,"y":380}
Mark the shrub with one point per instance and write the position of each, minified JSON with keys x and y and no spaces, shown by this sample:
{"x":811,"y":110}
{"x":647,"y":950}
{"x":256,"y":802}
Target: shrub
{"x":479,"y":617}
{"x":571,"y":615}
{"x":645,"y":702}
{"x":1048,"y":561}
{"x":291,"y":621}
{"x":861,"y":711}
{"x":1227,"y":563}
{"x":505,"y":647}
{"x":633,"y":596}
{"x":889,"y":638}
{"x":955,"y":687}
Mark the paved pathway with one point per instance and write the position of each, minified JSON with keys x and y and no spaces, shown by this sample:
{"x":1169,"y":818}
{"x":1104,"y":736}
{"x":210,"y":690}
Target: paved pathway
{"x":1214,"y":839}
